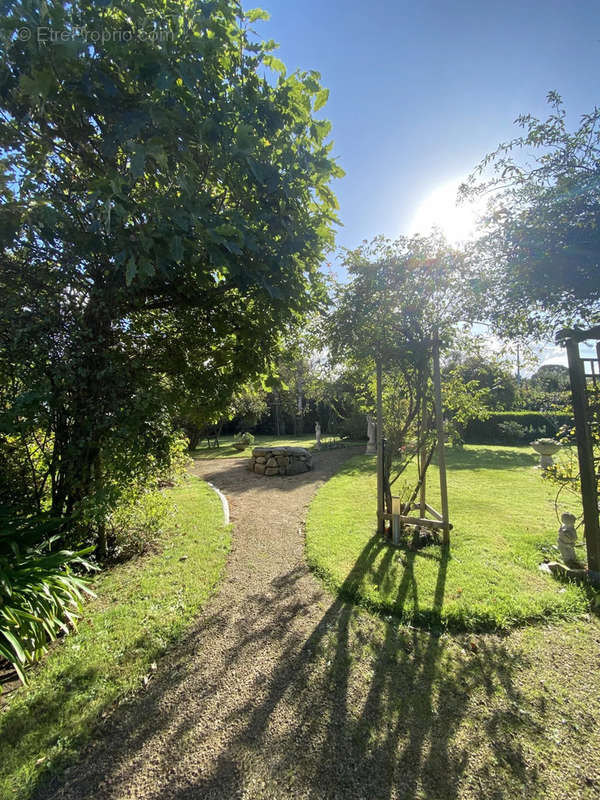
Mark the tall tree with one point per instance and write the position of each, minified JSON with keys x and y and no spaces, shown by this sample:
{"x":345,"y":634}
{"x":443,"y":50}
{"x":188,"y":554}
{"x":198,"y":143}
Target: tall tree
{"x":164,"y":208}
{"x":401,"y":294}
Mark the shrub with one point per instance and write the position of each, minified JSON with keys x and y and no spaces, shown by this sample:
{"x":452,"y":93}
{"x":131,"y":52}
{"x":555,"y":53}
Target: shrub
{"x":40,"y":596}
{"x":354,"y":427}
{"x":137,"y":522}
{"x":512,"y":431}
{"x":246,"y":439}
{"x":534,"y":423}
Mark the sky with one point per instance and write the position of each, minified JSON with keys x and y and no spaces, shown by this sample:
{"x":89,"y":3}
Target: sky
{"x":421,"y":91}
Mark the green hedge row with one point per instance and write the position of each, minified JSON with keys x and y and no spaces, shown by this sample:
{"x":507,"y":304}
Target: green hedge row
{"x":509,"y":427}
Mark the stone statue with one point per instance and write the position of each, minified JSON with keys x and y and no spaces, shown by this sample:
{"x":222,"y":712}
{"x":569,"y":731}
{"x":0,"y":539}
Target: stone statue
{"x":372,"y":443}
{"x":318,"y":435}
{"x":567,"y":538}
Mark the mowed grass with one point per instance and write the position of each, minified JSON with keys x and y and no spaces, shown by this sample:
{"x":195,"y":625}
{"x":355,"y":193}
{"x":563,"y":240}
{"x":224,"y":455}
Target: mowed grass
{"x":227,"y":450}
{"x":141,"y":608}
{"x":504,"y":525}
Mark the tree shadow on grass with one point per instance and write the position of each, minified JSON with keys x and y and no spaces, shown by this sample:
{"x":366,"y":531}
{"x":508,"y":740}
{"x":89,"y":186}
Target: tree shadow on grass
{"x":488,"y":458}
{"x":350,"y":708}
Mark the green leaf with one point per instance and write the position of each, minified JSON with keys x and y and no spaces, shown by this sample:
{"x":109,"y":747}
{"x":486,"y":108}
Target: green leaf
{"x":255,"y":14}
{"x":19,"y":652}
{"x":130,"y":270}
{"x":275,"y":64}
{"x":321,"y":98}
{"x":138,"y":162}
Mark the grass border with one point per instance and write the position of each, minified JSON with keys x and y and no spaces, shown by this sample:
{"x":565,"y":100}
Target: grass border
{"x":473,"y":620}
{"x":143,"y":607}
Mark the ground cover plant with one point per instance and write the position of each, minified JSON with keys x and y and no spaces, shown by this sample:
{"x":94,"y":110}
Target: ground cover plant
{"x":141,"y":608}
{"x":504,"y":525}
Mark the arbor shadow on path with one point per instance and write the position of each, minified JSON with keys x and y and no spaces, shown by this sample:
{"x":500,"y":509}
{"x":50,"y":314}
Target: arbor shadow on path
{"x":355,"y":709}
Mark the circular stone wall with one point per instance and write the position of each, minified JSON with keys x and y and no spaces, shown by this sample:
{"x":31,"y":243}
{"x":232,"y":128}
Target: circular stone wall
{"x":280,"y":460}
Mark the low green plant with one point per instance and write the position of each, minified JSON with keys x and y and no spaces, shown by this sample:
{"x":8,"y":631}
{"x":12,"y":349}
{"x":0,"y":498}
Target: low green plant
{"x":246,"y":438}
{"x":512,"y":432}
{"x":137,"y":522}
{"x":141,"y":609}
{"x":40,"y":594}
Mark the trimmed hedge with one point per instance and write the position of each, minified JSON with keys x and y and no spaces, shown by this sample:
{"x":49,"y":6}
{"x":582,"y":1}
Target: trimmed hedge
{"x":534,"y":424}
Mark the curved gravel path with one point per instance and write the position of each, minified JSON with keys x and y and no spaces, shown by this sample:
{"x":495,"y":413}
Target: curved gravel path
{"x":212,"y":724}
{"x":280,"y":691}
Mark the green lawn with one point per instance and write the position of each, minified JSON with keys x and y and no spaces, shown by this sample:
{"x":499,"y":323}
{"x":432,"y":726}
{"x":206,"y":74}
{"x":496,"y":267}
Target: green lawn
{"x":142,"y":607}
{"x":227,"y":450}
{"x":504,"y":524}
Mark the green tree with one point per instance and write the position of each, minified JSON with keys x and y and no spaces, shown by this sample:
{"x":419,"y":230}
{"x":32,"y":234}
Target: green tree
{"x":164,"y":208}
{"x":486,"y":372}
{"x":539,"y":250}
{"x":551,"y":378}
{"x":400,"y":295}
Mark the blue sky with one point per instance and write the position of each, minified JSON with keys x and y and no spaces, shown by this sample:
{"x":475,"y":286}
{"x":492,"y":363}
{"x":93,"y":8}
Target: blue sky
{"x":421,"y":91}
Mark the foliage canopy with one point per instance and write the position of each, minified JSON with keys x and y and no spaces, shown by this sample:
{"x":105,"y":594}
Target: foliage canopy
{"x":540,"y":241}
{"x":164,"y":207}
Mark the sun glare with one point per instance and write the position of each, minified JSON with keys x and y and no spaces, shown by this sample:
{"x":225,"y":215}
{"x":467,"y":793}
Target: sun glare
{"x":440,"y":209}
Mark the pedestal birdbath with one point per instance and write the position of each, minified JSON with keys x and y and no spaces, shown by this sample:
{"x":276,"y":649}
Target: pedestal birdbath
{"x":546,"y":448}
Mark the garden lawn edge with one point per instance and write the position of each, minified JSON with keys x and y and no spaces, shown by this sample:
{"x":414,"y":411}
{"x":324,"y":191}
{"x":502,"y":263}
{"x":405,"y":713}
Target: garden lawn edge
{"x":344,"y":552}
{"x":143,"y":607}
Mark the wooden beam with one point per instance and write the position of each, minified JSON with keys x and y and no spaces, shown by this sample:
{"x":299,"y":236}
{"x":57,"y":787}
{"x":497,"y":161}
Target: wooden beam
{"x":423,"y":522}
{"x":439,"y":422}
{"x":380,"y":501}
{"x":585,"y":454}
{"x":433,"y":512}
{"x":423,"y":472}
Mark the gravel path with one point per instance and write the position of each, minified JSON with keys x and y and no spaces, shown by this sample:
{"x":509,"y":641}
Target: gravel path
{"x":215,"y":722}
{"x":280,"y":691}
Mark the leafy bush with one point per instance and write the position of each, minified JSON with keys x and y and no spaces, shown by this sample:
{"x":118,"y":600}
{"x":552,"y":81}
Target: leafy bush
{"x":245,"y":438}
{"x":534,"y":423}
{"x":137,"y":522}
{"x":354,"y":427}
{"x":129,"y":514}
{"x":512,"y":431}
{"x":40,"y":596}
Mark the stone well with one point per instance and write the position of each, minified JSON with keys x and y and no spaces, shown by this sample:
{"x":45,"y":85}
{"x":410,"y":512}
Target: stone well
{"x":280,"y":460}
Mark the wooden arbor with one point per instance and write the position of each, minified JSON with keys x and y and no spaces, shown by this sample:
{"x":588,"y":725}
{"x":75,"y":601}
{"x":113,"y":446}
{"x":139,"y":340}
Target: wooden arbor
{"x":584,"y":374}
{"x":401,"y":512}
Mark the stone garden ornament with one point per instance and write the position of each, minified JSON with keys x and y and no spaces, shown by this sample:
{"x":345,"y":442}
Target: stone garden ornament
{"x":546,"y":448}
{"x":372,"y":443}
{"x":567,"y":539}
{"x":318,"y":435}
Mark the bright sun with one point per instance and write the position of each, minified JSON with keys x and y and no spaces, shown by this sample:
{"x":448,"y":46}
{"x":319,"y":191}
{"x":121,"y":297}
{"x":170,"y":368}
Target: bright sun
{"x":457,"y":222}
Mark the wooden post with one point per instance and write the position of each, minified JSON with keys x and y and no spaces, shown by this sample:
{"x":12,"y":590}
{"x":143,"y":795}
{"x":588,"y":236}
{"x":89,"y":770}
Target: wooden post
{"x":439,"y":422}
{"x":585,"y":454}
{"x":422,"y":497}
{"x":380,"y":501}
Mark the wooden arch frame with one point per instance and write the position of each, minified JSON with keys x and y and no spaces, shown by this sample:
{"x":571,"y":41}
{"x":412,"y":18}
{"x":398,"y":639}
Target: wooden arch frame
{"x":401,"y":514}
